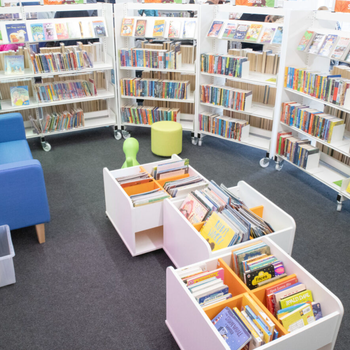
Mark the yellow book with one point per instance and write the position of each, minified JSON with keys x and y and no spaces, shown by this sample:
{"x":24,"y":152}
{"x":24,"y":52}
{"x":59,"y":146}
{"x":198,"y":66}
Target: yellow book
{"x":297,"y":298}
{"x":348,"y":188}
{"x":285,"y":76}
{"x":267,"y":338}
{"x":298,"y":318}
{"x":158,"y":29}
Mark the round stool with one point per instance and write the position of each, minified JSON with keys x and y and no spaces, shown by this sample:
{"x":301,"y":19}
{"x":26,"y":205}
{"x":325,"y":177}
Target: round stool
{"x":166,"y":138}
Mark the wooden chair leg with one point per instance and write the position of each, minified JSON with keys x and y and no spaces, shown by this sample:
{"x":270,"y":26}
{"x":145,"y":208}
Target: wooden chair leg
{"x":40,"y":232}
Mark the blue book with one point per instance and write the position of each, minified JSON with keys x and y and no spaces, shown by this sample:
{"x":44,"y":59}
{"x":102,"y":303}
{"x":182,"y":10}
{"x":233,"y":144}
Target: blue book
{"x":231,"y":329}
{"x":277,"y":39}
{"x":37,"y":30}
{"x":316,"y":307}
{"x":17,"y":33}
{"x":214,"y":295}
{"x":14,"y":64}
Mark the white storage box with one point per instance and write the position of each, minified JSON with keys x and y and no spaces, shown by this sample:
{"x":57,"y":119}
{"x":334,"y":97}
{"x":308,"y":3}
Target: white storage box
{"x":7,"y":270}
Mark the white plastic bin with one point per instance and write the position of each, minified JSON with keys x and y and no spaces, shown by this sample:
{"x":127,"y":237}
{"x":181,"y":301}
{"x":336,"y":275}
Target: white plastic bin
{"x":7,"y":270}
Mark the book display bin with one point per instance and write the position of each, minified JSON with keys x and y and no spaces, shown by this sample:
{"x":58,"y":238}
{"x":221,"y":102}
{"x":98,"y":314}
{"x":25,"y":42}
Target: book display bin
{"x":192,"y":328}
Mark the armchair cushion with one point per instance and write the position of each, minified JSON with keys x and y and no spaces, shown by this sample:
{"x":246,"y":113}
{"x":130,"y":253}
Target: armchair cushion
{"x":14,"y":151}
{"x":12,"y":127}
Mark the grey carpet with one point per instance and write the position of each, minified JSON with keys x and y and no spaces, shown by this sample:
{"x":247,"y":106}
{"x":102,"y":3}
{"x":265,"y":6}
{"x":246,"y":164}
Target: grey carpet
{"x":83,"y":290}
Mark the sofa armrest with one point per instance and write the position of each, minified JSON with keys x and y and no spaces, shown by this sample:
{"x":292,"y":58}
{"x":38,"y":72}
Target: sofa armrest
{"x":11,"y":127}
{"x":23,"y":199}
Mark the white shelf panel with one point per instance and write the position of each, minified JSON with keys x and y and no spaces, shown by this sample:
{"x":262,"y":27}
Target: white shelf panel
{"x":252,"y":141}
{"x":186,"y":125}
{"x":6,"y":105}
{"x":341,"y":108}
{"x":185,"y":69}
{"x":162,"y":7}
{"x":188,"y":100}
{"x":30,"y":133}
{"x":341,"y":146}
{"x":332,"y":16}
{"x":71,"y":7}
{"x":258,"y":110}
{"x":252,"y":9}
{"x":253,"y":78}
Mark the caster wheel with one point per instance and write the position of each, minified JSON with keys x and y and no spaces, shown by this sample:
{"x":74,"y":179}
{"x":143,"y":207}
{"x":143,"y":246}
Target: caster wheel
{"x":339,"y":206}
{"x":264,"y":162}
{"x":46,"y":146}
{"x":125,"y":134}
{"x":278,"y":167}
{"x":200,"y":143}
{"x":118,"y":135}
{"x":194,"y":141}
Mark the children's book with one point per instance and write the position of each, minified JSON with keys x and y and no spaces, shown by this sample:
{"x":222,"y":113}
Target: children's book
{"x":17,"y":32}
{"x":49,"y":31}
{"x":193,"y":210}
{"x":305,"y":40}
{"x":215,"y":29}
{"x":99,"y":28}
{"x":189,"y":30}
{"x":301,"y":297}
{"x":14,"y":64}
{"x":328,"y":45}
{"x":316,"y":43}
{"x":254,"y":32}
{"x":241,"y":31}
{"x":141,"y":27}
{"x":127,"y":27}
{"x":218,"y":273}
{"x":174,"y":29}
{"x":298,"y":318}
{"x":61,"y":31}
{"x":232,"y":330}
{"x":19,"y":95}
{"x":316,"y":308}
{"x":74,"y":31}
{"x":230,"y":31}
{"x":267,"y":35}
{"x":256,"y":3}
{"x":37,"y":30}
{"x":159,"y":27}
{"x":86,"y":30}
{"x":340,"y":50}
{"x":277,"y":39}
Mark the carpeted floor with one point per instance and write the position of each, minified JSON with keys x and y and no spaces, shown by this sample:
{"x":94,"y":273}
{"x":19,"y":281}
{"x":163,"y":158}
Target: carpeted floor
{"x":83,"y":290}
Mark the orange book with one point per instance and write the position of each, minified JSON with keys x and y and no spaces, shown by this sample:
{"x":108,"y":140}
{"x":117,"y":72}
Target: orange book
{"x":342,"y":6}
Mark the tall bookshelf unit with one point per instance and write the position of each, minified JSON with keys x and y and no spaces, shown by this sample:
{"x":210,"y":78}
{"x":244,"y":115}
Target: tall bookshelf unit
{"x":130,"y":10}
{"x":325,"y":168}
{"x":100,"y":117}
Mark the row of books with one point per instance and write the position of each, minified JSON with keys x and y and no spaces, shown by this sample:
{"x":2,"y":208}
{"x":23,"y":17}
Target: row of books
{"x":20,"y":32}
{"x":329,"y":88}
{"x":249,"y":32}
{"x":9,"y":16}
{"x":171,"y":28}
{"x":222,"y":64}
{"x":155,"y":88}
{"x":64,"y":90}
{"x":294,"y":149}
{"x":148,"y":114}
{"x":312,"y":121}
{"x":224,"y":96}
{"x":223,"y":126}
{"x":326,"y":45}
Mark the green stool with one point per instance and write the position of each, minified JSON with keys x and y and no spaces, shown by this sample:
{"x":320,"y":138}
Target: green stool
{"x":166,"y":138}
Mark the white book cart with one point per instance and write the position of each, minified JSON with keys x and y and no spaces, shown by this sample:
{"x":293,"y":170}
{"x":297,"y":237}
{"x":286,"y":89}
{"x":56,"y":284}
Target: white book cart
{"x":192,"y":328}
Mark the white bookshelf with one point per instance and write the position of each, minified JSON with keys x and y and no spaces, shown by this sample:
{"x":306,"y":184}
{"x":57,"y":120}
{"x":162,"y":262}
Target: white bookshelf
{"x":328,"y":170}
{"x":192,"y":328}
{"x":130,"y":10}
{"x":106,"y":64}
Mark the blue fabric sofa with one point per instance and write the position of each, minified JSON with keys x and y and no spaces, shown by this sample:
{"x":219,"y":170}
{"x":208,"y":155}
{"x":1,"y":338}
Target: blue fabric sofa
{"x":23,"y":199}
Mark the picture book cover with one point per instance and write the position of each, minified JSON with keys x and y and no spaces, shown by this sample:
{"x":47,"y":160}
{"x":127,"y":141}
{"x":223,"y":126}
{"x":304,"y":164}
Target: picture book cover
{"x":86,"y":30}
{"x":189,"y":30}
{"x":74,"y":31}
{"x":14,"y":64}
{"x":277,"y":39}
{"x":127,"y":27}
{"x":305,"y":40}
{"x":215,"y":29}
{"x":17,"y":32}
{"x":140,"y":27}
{"x":61,"y":31}
{"x":297,"y":298}
{"x":340,"y":49}
{"x":316,"y":43}
{"x":298,"y":318}
{"x":259,"y":275}
{"x":235,"y":334}
{"x":267,"y":35}
{"x":99,"y":28}
{"x":217,"y":232}
{"x":19,"y":95}
{"x":159,"y":27}
{"x":342,"y":6}
{"x":316,"y":308}
{"x":256,"y":3}
{"x":174,"y":29}
{"x":49,"y":31}
{"x":328,"y":45}
{"x":254,"y":32}
{"x":241,"y":31}
{"x":229,"y":31}
{"x":193,"y":210}
{"x":37,"y":30}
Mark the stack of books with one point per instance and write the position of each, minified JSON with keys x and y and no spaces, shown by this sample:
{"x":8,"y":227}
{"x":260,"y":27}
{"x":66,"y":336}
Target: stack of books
{"x":63,"y":121}
{"x":223,"y":126}
{"x":225,"y":96}
{"x":312,"y":121}
{"x":155,"y":88}
{"x":148,"y":115}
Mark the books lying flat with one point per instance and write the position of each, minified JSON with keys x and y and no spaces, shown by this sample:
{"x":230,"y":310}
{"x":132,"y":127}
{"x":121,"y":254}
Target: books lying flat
{"x":184,"y":186}
{"x":133,"y":179}
{"x":149,"y":197}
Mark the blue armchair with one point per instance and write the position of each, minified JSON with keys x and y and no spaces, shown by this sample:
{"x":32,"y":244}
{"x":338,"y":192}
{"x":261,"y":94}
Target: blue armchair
{"x":23,"y":199}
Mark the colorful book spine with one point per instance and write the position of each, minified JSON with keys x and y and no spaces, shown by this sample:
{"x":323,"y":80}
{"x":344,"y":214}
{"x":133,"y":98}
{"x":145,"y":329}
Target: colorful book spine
{"x":63,"y":121}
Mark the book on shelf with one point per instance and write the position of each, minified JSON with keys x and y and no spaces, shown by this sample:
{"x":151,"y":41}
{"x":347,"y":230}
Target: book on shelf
{"x":267,"y":35}
{"x":14,"y":65}
{"x":316,"y":43}
{"x":328,"y":45}
{"x":342,"y":6}
{"x":127,"y":28}
{"x":135,"y":179}
{"x":254,"y":32}
{"x":61,"y":31}
{"x":19,"y":95}
{"x":194,"y":210}
{"x":36,"y":125}
{"x":183,"y":186}
{"x":256,"y":3}
{"x":174,"y":29}
{"x":305,"y":40}
{"x":150,"y":197}
{"x":37,"y":30}
{"x":241,"y":32}
{"x":230,"y":30}
{"x":277,"y":39}
{"x":168,"y":169}
{"x":159,"y":28}
{"x":189,"y":29}
{"x":341,"y":49}
{"x":141,"y":25}
{"x":66,"y":120}
{"x":99,"y":28}
{"x":49,"y":31}
{"x":17,"y":32}
{"x":215,"y":29}
{"x":74,"y":30}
